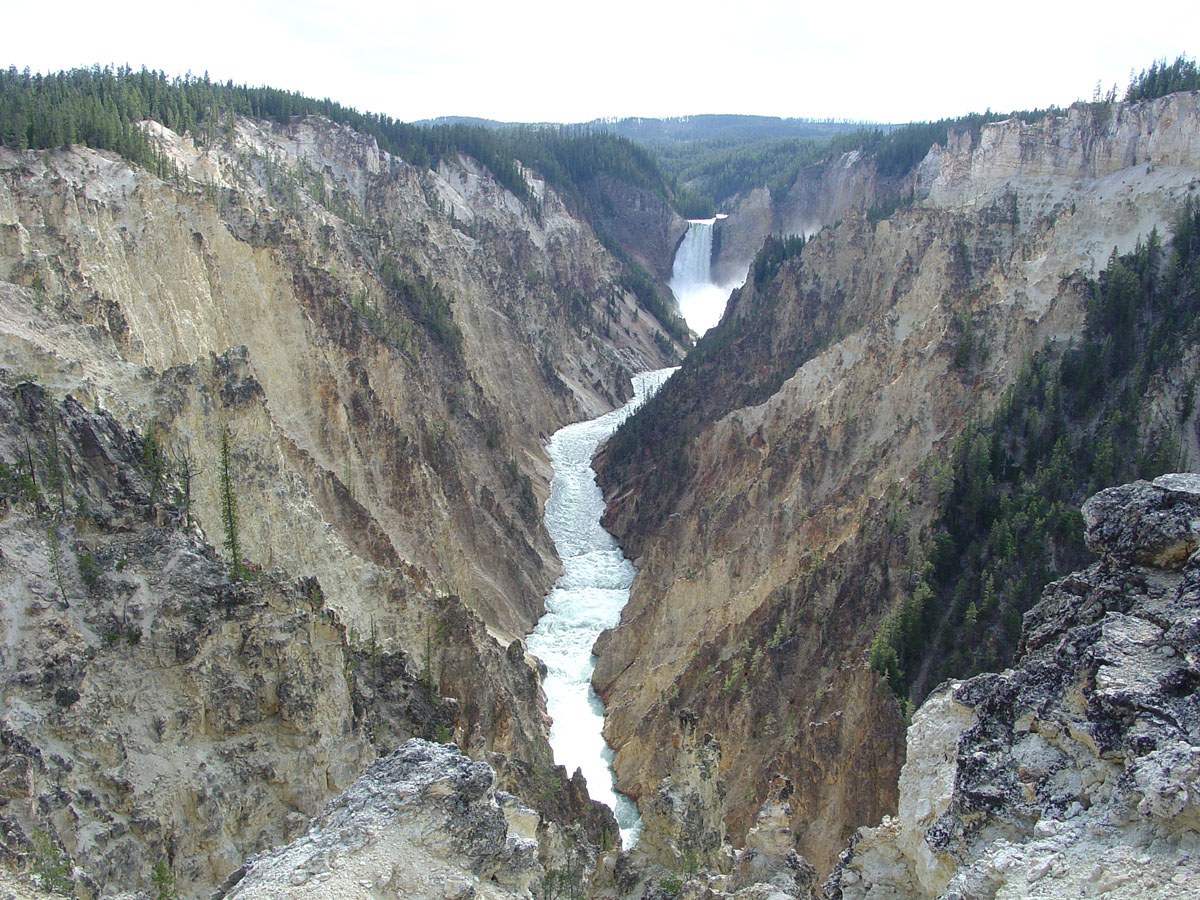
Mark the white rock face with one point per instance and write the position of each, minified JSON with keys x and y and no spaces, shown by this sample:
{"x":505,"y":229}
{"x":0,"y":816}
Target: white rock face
{"x":1089,"y":142}
{"x":1091,"y":169}
{"x":927,"y":782}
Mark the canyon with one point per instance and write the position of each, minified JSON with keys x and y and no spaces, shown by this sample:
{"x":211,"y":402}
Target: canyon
{"x":369,"y":356}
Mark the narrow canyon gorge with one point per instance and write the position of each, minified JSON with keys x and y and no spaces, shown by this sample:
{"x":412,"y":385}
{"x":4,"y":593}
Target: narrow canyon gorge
{"x":308,"y":590}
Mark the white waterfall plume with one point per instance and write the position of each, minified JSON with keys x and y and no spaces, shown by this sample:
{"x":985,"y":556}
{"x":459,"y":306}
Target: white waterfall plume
{"x":701,"y":302}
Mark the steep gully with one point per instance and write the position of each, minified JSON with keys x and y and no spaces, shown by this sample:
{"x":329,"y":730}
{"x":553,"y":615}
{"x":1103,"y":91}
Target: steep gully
{"x":596,"y":579}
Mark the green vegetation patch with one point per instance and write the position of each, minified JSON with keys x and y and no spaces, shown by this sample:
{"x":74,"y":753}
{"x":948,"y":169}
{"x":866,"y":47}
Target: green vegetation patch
{"x":1074,"y":422}
{"x":1164,"y":78}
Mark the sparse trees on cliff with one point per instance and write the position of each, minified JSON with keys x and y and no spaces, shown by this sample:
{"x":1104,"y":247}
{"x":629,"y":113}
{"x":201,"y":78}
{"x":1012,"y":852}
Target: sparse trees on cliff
{"x":229,"y":513}
{"x":1164,"y":78}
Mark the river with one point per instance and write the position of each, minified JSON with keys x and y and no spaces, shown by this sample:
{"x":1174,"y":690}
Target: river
{"x":596,"y":578}
{"x":588,"y":598}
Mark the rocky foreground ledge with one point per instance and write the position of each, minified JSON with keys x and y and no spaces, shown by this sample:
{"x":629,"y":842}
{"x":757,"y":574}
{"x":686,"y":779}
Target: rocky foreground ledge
{"x":424,"y":821}
{"x":1077,"y":773}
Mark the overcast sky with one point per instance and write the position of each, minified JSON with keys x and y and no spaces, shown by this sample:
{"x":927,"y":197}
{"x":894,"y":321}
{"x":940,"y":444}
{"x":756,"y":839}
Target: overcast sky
{"x":537,"y":60}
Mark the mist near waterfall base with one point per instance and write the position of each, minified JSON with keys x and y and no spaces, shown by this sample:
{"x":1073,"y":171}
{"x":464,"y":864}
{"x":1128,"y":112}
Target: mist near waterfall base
{"x":701,"y":301}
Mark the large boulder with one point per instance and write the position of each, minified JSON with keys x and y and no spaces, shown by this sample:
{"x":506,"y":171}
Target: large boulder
{"x":1146,"y":523}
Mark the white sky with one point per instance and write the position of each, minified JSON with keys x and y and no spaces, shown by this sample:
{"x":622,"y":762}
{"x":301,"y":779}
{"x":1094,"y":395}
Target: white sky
{"x":537,"y":60}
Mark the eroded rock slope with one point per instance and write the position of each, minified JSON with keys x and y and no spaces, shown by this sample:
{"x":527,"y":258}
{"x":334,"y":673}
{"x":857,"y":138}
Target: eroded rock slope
{"x":381,"y":347}
{"x":159,"y":712}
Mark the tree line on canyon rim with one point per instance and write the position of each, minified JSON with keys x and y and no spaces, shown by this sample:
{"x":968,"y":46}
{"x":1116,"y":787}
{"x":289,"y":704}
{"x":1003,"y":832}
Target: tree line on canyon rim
{"x":101,"y":108}
{"x":719,"y":168}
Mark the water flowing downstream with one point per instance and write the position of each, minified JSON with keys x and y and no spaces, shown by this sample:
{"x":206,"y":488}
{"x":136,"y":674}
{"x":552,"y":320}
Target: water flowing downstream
{"x":588,"y":598}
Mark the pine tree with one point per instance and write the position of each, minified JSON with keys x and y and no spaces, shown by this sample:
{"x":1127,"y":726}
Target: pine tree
{"x":229,"y":514}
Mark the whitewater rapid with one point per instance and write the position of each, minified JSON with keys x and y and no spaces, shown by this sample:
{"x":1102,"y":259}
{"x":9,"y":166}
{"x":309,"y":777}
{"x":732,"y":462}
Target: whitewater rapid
{"x":587,"y":599}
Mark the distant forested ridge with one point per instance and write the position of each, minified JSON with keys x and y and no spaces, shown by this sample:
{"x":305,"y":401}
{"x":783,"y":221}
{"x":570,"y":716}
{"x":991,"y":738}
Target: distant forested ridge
{"x":723,"y":168}
{"x":725,"y":159}
{"x":102,"y":108}
{"x":676,"y":129}
{"x":722,"y":127}
{"x":1073,"y":423}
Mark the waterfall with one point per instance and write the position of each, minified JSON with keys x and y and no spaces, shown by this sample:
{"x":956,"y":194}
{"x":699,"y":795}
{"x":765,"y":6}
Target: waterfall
{"x":588,"y":598}
{"x":701,"y":302}
{"x":692,"y":267}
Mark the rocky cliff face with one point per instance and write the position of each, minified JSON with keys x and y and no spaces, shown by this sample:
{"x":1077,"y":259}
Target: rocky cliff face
{"x":383,"y":348}
{"x":1072,"y":774}
{"x":357,"y":357}
{"x":157,"y":712}
{"x":644,"y":226}
{"x":1075,"y":773}
{"x":775,"y":518}
{"x":820,"y":195}
{"x":1043,"y":160}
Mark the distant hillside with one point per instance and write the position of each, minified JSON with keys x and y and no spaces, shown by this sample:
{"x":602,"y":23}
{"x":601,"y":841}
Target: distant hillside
{"x":710,"y":158}
{"x":710,"y":127}
{"x":690,"y":128}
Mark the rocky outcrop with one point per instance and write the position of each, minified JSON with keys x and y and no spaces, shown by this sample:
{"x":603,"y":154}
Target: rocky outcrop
{"x":424,"y":821}
{"x":738,"y":237}
{"x":795,"y":461}
{"x":156,"y":711}
{"x":1087,"y":141}
{"x":1075,"y":773}
{"x":683,"y":820}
